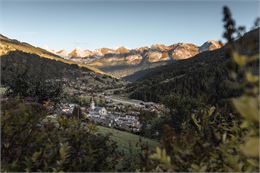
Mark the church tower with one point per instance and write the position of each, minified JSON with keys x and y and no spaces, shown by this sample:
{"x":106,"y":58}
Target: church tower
{"x":92,"y":104}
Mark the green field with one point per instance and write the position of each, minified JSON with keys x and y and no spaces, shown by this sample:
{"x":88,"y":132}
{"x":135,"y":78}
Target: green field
{"x":125,"y":139}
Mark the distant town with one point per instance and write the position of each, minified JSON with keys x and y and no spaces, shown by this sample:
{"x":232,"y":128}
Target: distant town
{"x":113,"y":112}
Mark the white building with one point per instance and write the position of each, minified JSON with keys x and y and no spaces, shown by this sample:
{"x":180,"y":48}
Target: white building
{"x":97,"y":111}
{"x":68,"y":109}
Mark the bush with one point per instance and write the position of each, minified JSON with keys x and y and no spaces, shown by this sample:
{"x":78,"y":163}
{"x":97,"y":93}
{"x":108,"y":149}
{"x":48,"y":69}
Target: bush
{"x":37,"y":87}
{"x":181,"y":108}
{"x":31,"y":143}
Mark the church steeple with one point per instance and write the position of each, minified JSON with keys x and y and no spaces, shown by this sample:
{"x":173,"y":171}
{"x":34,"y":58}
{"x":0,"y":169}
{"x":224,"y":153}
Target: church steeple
{"x":92,"y":104}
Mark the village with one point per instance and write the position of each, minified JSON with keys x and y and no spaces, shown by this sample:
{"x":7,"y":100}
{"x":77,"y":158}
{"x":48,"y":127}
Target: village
{"x":114,"y":112}
{"x":102,"y":108}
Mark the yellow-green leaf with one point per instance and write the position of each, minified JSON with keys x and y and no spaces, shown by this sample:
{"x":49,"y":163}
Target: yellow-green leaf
{"x":248,"y":107}
{"x":63,"y":151}
{"x":224,"y":137}
{"x":251,"y":147}
{"x":161,"y":156}
{"x":36,"y":155}
{"x":195,"y":121}
{"x":239,"y":59}
{"x":251,"y":78}
{"x":211,"y":110}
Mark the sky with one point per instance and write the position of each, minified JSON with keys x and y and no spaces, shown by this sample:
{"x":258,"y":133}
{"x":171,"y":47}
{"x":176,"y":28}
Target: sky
{"x":89,"y":24}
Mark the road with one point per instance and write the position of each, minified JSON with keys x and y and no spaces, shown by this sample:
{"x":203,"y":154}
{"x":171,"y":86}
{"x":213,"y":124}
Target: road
{"x":124,"y":100}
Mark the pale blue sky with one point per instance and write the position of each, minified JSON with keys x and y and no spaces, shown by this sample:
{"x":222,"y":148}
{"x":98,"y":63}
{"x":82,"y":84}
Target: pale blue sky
{"x":93,"y":24}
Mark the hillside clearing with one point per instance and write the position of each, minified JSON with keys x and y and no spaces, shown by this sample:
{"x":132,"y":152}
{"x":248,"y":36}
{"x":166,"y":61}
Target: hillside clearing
{"x":126,"y":139}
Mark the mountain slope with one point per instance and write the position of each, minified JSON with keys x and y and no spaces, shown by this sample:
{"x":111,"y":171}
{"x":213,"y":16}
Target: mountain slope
{"x":18,"y":58}
{"x":204,"y":75}
{"x":7,"y":45}
{"x":73,"y":76}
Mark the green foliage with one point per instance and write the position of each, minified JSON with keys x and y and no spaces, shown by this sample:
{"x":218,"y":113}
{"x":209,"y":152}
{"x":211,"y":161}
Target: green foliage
{"x":39,"y":88}
{"x":100,"y":101}
{"x":219,"y":140}
{"x":85,"y":101}
{"x":248,"y":107}
{"x":229,"y":24}
{"x":130,"y":148}
{"x":212,"y":144}
{"x":124,"y":139}
{"x":77,"y":113}
{"x":217,"y":136}
{"x":181,"y":109}
{"x":150,"y":122}
{"x":31,"y":144}
{"x":80,"y":100}
{"x":163,"y":158}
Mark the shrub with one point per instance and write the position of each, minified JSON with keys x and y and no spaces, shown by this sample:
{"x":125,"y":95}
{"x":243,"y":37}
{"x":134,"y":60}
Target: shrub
{"x":34,"y":86}
{"x":29,"y":143}
{"x":216,"y":139}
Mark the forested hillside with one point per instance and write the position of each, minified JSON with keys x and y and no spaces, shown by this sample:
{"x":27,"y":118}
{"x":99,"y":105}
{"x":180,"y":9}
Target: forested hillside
{"x":26,"y":67}
{"x":204,"y":76}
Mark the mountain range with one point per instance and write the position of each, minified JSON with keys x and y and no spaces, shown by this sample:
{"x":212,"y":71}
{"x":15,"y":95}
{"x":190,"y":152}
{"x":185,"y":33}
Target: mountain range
{"x":122,"y":62}
{"x":177,"y":51}
{"x":150,"y":67}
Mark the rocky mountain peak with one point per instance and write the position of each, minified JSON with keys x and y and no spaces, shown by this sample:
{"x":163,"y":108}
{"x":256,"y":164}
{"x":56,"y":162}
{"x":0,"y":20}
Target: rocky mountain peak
{"x":161,"y":47}
{"x":106,"y":57}
{"x":122,"y":50}
{"x":210,"y":45}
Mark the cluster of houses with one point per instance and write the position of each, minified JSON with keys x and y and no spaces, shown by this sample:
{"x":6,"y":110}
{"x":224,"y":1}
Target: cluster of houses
{"x":100,"y":115}
{"x":118,"y":120}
